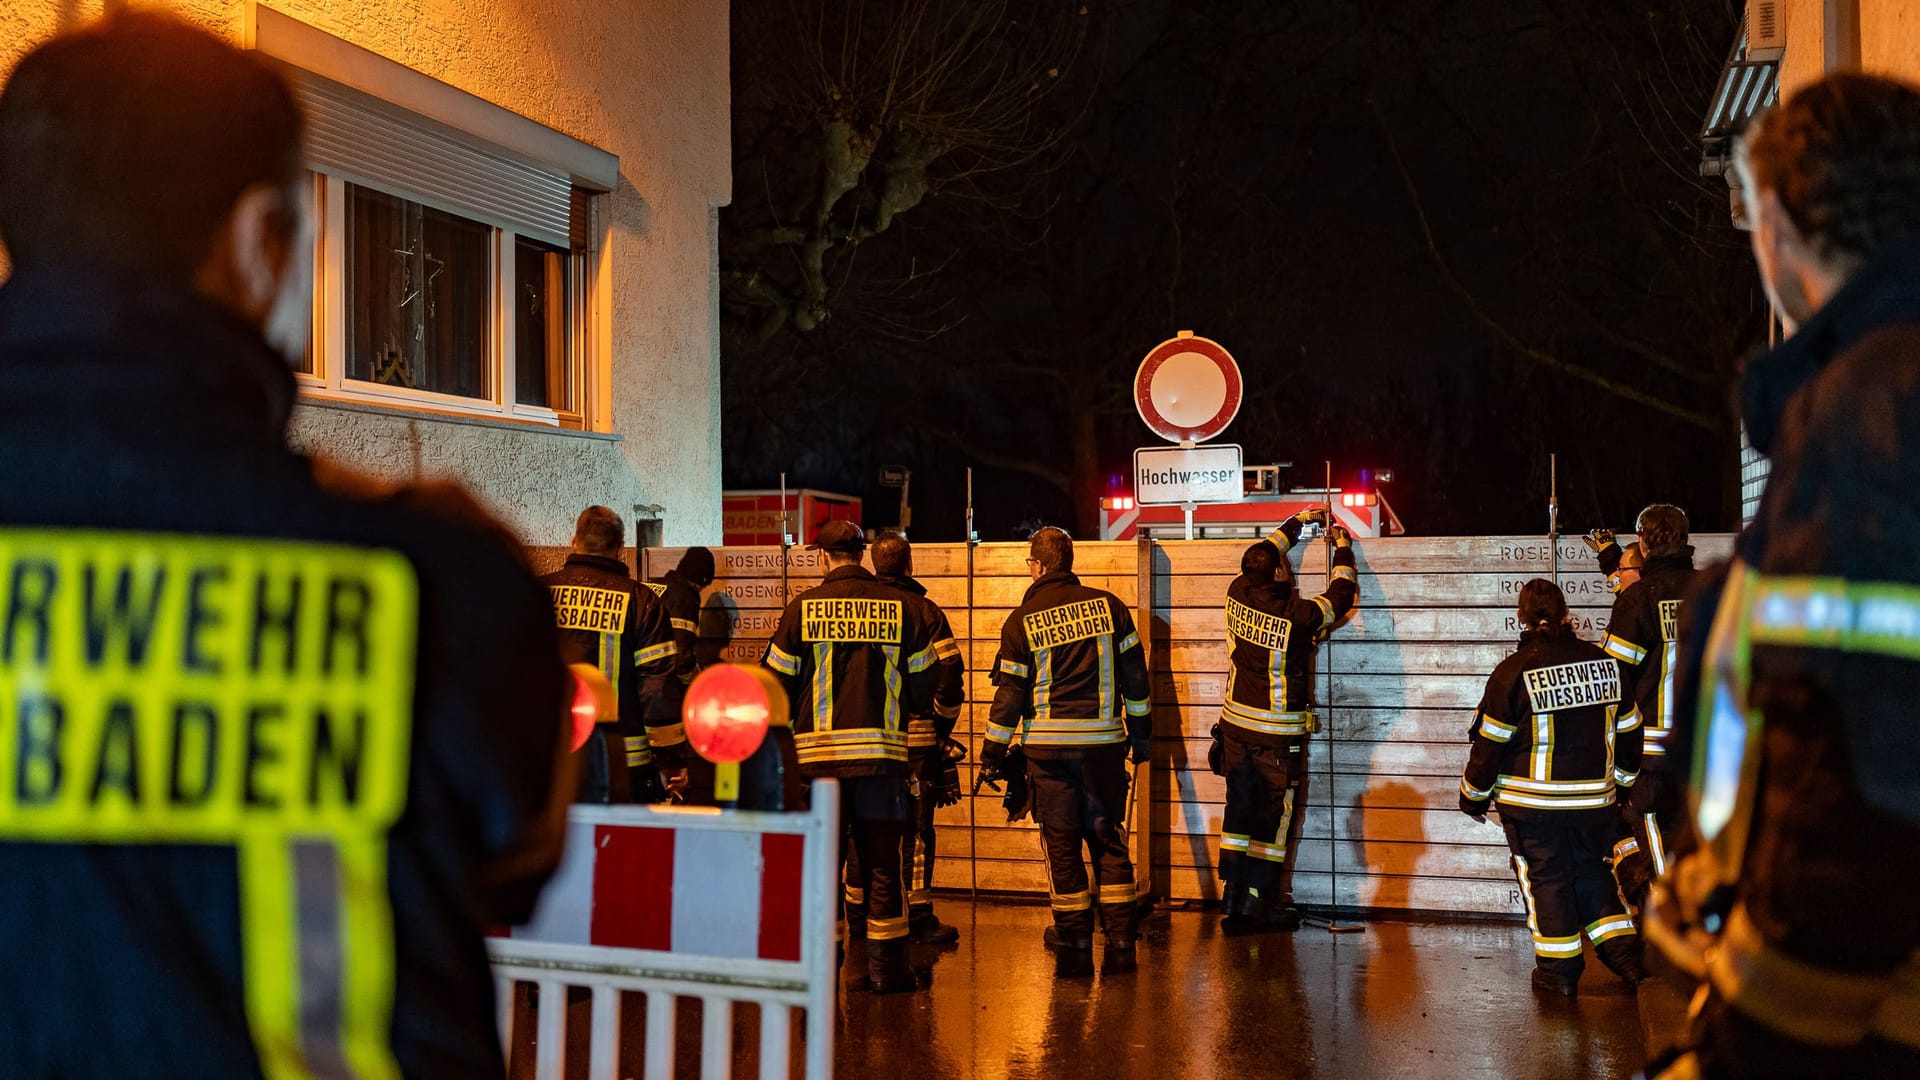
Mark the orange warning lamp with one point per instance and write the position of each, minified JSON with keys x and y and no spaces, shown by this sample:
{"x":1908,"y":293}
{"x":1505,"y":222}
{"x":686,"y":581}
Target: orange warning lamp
{"x":592,"y":702}
{"x":728,"y":709}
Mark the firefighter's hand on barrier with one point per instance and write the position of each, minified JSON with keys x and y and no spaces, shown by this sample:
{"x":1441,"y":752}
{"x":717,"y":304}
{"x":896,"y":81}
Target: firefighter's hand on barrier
{"x":1139,"y":750}
{"x":1216,"y":752}
{"x":1341,"y":537}
{"x":1598,"y":540}
{"x":1315,"y":516}
{"x":1474,"y":808}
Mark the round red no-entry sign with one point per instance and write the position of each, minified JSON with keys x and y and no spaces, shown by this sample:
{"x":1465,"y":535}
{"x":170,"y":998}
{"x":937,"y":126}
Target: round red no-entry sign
{"x":1187,"y":389}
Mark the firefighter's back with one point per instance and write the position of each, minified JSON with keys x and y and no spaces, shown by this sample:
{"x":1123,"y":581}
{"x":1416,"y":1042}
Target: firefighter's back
{"x":274,"y":755}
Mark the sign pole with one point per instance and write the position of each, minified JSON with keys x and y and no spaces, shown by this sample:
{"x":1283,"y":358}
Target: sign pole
{"x":973,"y":716}
{"x":1333,"y":923}
{"x":1553,"y":512}
{"x":1187,"y":509}
{"x":786,"y":539}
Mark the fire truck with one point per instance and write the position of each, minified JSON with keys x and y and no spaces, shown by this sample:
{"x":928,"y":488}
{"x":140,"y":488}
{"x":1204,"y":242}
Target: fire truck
{"x":1362,"y":509}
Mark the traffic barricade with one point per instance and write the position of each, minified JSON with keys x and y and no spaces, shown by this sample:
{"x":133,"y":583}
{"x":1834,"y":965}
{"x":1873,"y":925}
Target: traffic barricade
{"x":725,"y":906}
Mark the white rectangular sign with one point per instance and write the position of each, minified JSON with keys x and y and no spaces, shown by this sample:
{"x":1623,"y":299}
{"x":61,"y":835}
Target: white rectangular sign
{"x":1172,"y":475}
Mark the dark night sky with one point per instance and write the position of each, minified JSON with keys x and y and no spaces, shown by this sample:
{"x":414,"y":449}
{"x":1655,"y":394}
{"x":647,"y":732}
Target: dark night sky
{"x":1412,"y":221}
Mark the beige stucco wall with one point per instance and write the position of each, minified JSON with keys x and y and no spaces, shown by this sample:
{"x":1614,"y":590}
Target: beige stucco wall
{"x":1889,"y":40}
{"x":1806,"y":39}
{"x":644,"y":79}
{"x":1890,"y":37}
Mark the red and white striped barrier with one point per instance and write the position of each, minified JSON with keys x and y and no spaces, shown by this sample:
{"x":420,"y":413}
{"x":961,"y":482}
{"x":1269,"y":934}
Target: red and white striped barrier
{"x":722,"y":905}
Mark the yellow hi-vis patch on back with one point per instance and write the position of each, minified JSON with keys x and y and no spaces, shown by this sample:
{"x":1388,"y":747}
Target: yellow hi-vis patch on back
{"x":158,"y":688}
{"x":1257,"y":627}
{"x":258,"y":694}
{"x":1068,"y":623}
{"x":582,"y":607}
{"x":1571,"y":686}
{"x":852,"y":619}
{"x":1669,"y":620}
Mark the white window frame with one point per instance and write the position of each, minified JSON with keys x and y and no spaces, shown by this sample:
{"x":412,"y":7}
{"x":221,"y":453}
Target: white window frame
{"x":489,"y":129}
{"x":329,"y":380}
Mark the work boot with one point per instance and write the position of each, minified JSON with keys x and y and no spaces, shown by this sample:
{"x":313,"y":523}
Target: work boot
{"x":1555,"y":983}
{"x":1629,"y":969}
{"x":887,"y":969}
{"x":1060,"y":942}
{"x":1238,"y":908}
{"x":1119,"y":959}
{"x":1072,"y":953}
{"x":1283,"y":917}
{"x":855,"y":974}
{"x":925,"y":928}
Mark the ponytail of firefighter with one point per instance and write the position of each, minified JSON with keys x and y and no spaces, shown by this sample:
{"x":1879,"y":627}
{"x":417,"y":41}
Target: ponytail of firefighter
{"x":1543,"y":609}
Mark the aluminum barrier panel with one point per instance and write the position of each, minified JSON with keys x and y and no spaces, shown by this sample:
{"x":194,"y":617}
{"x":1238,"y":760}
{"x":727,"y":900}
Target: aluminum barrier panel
{"x":977,"y":588}
{"x":1397,"y":686}
{"x":683,"y":902}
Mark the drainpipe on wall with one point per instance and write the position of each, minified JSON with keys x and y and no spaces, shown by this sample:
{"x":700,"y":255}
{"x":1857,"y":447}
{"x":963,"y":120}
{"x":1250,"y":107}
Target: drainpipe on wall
{"x":1841,"y":34}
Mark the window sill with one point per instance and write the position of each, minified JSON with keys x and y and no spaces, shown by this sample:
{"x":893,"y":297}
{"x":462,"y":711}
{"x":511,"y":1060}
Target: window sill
{"x":314,"y":401}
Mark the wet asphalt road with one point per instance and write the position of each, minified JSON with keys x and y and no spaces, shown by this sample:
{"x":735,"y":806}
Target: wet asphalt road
{"x":1399,"y":1000}
{"x":1437,"y":1001}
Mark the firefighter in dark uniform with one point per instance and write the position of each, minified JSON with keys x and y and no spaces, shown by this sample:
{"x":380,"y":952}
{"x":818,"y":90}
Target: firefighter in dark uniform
{"x":858,"y":660}
{"x":606,"y":619}
{"x":1267,"y":717}
{"x":284,"y":749}
{"x":1805,"y":794}
{"x":929,"y":735}
{"x":687,"y":775}
{"x":1555,"y":740}
{"x":1643,"y":633}
{"x":1621,"y":565}
{"x":1071,"y":683}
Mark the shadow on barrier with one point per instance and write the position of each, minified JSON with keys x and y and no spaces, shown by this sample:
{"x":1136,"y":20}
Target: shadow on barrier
{"x":719,"y":614}
{"x":1198,"y":837}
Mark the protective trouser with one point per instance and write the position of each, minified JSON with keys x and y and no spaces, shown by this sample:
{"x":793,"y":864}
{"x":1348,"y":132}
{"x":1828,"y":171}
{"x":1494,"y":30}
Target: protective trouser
{"x":595,"y":784}
{"x":1083,"y":801}
{"x":1571,"y":896}
{"x":920,"y":851}
{"x":1817,"y":974}
{"x":876,"y":853}
{"x":1645,"y":846}
{"x":1266,"y":803}
{"x":926,"y":766}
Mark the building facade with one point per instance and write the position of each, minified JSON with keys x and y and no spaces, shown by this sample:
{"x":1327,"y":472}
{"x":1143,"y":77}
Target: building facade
{"x":1783,"y":46}
{"x":515,"y":265}
{"x":1880,"y":36}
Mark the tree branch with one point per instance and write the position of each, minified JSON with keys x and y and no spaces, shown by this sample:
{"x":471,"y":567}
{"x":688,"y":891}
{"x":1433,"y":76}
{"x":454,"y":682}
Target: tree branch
{"x":994,"y":460}
{"x":1485,"y":319}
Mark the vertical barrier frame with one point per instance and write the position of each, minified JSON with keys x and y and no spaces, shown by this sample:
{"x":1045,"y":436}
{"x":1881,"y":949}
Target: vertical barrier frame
{"x":1140,"y":815}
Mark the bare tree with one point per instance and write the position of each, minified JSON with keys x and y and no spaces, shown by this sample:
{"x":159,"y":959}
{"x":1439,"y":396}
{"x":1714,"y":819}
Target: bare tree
{"x":1684,"y":227}
{"x":888,"y":102}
